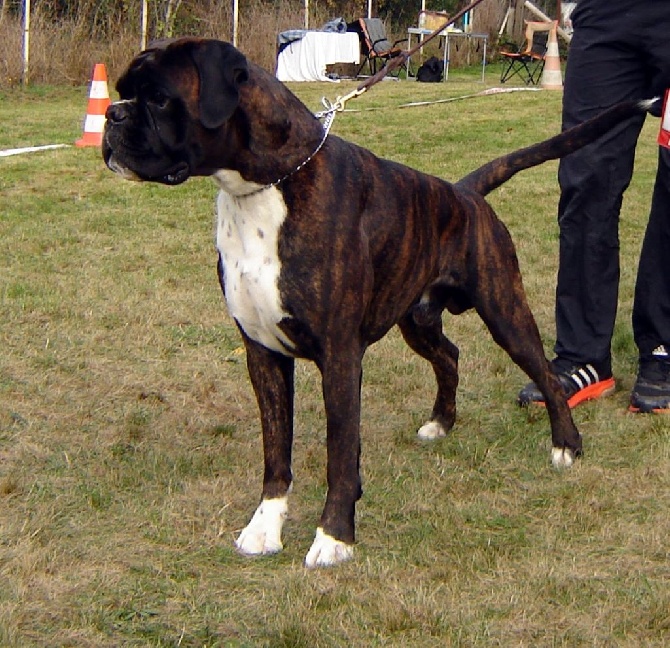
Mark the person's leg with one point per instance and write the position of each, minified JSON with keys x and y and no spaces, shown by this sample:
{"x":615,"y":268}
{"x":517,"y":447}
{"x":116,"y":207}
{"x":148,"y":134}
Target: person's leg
{"x":603,"y":69}
{"x":651,"y":308}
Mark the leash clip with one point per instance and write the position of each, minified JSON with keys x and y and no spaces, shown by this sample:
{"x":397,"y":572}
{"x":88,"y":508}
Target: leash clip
{"x":338,"y":106}
{"x":340,"y":102}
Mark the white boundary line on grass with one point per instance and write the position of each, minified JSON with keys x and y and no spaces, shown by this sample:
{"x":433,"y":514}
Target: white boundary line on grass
{"x":417,"y":104}
{"x":31,"y":149}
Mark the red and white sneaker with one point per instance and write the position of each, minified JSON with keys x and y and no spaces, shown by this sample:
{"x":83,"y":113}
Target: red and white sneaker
{"x":581,"y":383}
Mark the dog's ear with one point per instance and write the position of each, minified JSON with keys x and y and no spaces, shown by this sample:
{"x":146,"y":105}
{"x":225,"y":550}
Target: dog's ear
{"x":222,"y":69}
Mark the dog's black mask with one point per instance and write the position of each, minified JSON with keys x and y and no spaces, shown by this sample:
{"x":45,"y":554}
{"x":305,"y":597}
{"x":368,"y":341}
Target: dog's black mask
{"x":171,"y":95}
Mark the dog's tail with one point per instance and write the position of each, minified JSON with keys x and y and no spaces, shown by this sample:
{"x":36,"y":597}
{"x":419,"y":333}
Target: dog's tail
{"x":491,"y":175}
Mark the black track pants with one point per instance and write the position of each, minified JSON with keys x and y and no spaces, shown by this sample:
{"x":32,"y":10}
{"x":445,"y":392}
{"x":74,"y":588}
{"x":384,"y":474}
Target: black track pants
{"x":620,"y":50}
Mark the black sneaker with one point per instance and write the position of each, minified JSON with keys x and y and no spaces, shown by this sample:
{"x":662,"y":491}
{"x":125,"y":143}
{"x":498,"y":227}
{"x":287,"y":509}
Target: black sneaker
{"x":651,"y":392}
{"x":580,"y":382}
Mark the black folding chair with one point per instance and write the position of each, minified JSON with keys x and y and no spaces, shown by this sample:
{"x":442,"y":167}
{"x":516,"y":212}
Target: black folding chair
{"x":376,"y":48}
{"x":528,"y":63}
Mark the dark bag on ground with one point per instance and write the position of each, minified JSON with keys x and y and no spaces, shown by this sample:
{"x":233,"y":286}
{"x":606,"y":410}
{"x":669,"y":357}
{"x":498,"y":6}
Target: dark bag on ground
{"x":431,"y":71}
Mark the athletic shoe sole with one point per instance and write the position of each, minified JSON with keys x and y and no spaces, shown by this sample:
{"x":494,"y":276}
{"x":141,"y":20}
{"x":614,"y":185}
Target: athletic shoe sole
{"x":654,"y":410}
{"x":597,"y":390}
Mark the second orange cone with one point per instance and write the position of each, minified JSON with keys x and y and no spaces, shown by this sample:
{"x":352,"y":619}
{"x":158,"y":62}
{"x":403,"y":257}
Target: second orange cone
{"x":551,"y":74}
{"x":97,"y":105}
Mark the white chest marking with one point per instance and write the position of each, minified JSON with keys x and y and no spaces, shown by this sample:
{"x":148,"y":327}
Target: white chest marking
{"x":247,"y":237}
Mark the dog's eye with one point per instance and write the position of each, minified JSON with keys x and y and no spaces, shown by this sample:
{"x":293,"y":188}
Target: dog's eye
{"x":157,"y":97}
{"x":160,"y":99}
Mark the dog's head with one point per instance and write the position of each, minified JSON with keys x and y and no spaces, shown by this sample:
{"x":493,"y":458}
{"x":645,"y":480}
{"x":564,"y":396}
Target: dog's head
{"x":174,"y":98}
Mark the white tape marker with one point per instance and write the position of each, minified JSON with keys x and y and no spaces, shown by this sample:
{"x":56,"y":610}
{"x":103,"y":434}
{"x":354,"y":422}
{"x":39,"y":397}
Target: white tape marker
{"x":31,"y":149}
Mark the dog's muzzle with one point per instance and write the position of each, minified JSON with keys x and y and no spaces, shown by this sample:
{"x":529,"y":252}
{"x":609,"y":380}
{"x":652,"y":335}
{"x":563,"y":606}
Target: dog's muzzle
{"x":123,"y":154}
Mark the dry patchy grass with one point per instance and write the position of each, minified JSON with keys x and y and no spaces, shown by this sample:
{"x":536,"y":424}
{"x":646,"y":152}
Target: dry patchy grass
{"x":129,"y":442}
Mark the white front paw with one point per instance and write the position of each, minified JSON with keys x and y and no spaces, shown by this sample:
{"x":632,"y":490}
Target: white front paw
{"x":327,"y":551}
{"x":431,"y":430}
{"x":263,"y":534}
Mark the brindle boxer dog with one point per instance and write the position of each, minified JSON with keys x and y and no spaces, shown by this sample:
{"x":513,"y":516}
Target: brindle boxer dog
{"x":323,"y":247}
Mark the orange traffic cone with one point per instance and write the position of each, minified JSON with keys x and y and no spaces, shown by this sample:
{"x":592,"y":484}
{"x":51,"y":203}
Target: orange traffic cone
{"x":97,"y":105}
{"x":551,"y":74}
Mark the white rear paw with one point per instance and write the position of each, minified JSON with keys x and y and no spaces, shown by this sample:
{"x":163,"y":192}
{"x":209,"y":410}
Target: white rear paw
{"x":431,"y":430}
{"x":326,"y":551}
{"x":263,"y":534}
{"x":562,"y":457}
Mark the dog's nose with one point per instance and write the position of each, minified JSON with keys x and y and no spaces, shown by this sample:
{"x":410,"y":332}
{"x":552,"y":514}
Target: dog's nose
{"x":116,"y":112}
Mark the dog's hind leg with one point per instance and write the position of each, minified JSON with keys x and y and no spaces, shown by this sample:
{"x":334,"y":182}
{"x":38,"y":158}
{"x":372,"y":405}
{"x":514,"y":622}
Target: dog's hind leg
{"x":272,"y":378}
{"x":502,"y":304}
{"x":426,"y":338}
{"x":494,"y":288}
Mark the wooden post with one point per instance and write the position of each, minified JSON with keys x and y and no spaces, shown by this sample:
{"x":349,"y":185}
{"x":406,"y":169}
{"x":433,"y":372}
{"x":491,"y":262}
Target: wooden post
{"x":515,"y":26}
{"x":26,"y":43}
{"x":236,"y":20}
{"x":143,"y":26}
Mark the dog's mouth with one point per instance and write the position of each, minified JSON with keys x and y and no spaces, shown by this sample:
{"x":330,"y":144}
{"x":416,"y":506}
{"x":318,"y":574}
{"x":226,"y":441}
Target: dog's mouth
{"x":127,"y":174}
{"x":131,"y":156}
{"x":175,"y":175}
{"x":178,"y":174}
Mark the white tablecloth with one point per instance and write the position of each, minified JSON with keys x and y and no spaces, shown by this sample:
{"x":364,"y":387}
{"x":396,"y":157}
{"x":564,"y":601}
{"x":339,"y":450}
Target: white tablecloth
{"x":306,"y":59}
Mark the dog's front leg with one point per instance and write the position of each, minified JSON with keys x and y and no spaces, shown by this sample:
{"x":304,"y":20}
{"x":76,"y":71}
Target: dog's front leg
{"x":334,"y":541}
{"x":272,"y":379}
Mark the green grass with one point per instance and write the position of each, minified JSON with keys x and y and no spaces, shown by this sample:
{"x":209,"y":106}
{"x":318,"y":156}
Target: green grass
{"x":129,"y":438}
